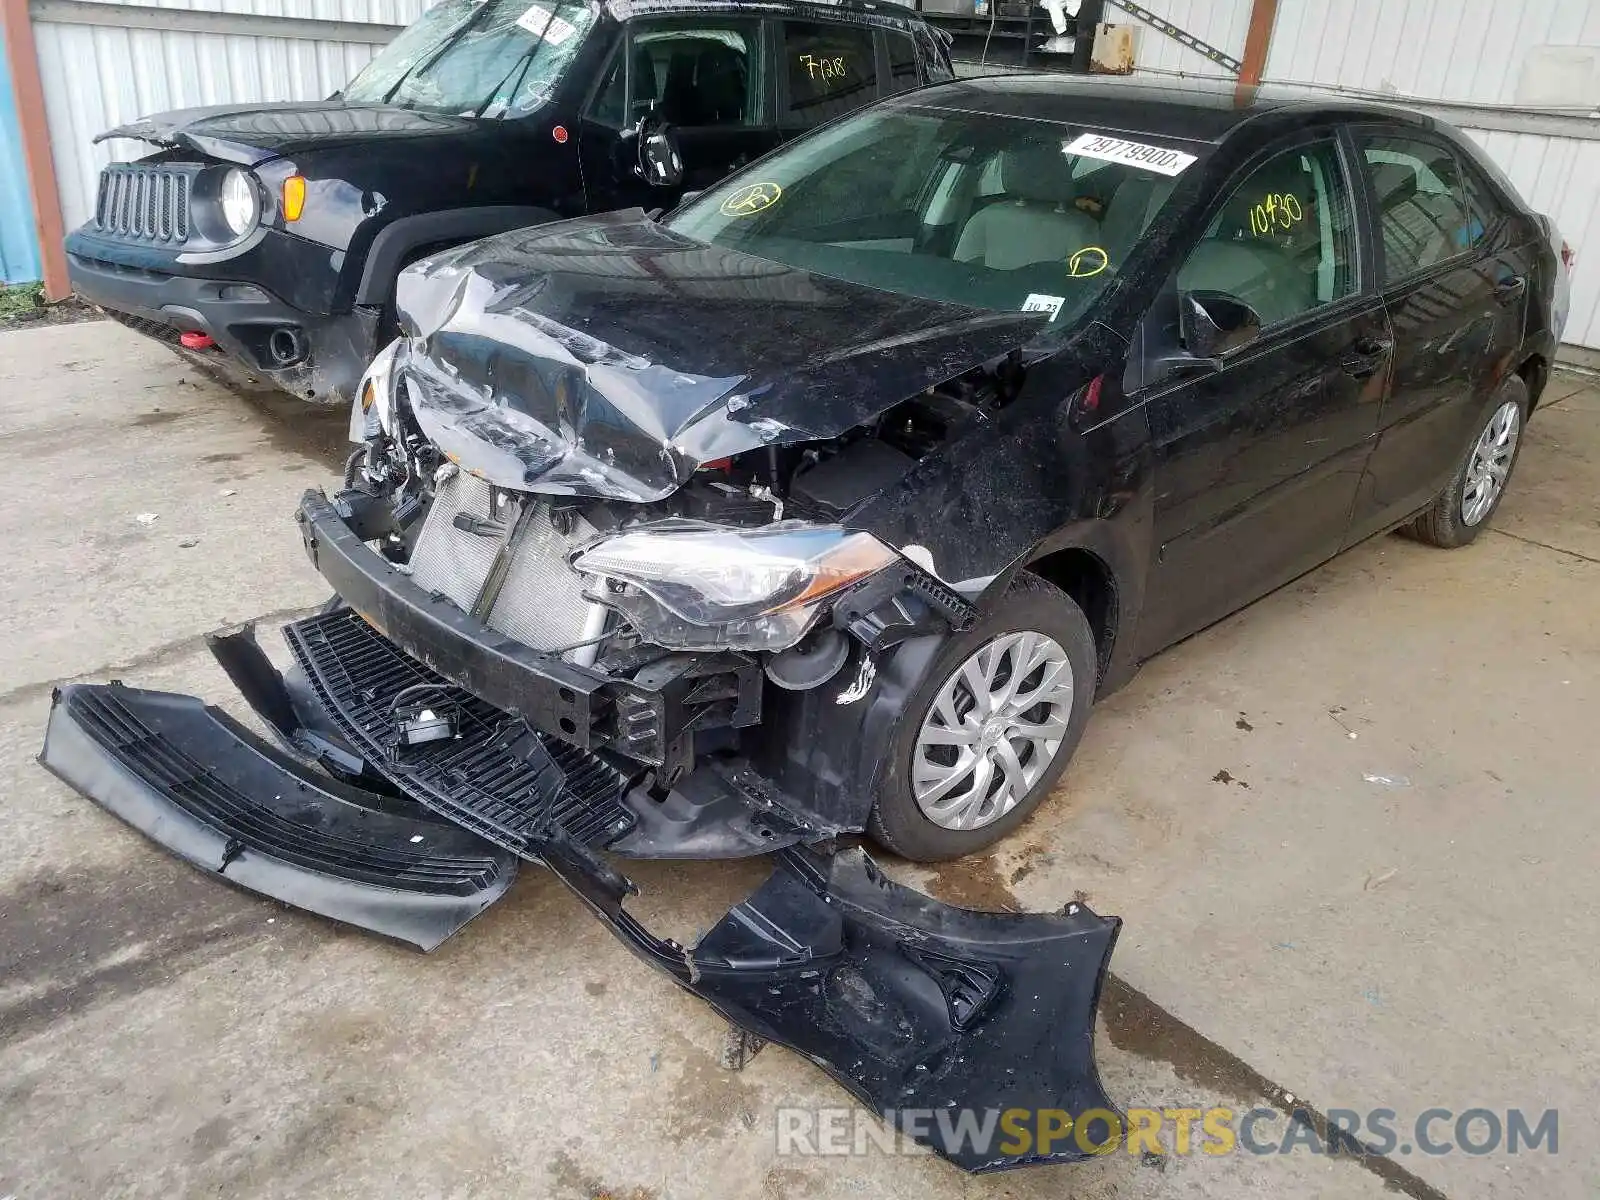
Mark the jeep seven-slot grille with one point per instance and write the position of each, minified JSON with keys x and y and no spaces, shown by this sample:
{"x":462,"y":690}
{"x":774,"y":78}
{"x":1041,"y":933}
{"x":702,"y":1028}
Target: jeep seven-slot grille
{"x":140,"y":203}
{"x":480,"y":780}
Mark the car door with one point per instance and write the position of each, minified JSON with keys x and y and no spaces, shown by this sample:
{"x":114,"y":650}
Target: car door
{"x":1456,"y":293}
{"x":825,"y":70}
{"x":1258,"y":451}
{"x":706,"y":77}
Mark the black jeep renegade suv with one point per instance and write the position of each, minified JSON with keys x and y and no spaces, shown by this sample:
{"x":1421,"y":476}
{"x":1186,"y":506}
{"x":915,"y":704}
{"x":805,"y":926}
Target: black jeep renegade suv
{"x":263,"y":242}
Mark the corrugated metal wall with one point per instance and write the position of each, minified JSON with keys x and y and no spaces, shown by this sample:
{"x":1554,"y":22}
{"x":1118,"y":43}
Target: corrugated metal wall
{"x":99,"y":77}
{"x":19,"y":245}
{"x":1483,"y":52}
{"x":1465,"y":50}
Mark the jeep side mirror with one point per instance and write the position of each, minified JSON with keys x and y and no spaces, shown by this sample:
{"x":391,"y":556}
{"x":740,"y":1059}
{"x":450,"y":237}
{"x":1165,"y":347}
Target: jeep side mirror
{"x":660,"y":164}
{"x":1214,"y":323}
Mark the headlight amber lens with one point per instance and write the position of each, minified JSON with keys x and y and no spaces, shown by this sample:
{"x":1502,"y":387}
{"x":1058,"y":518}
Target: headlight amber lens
{"x":294,"y":197}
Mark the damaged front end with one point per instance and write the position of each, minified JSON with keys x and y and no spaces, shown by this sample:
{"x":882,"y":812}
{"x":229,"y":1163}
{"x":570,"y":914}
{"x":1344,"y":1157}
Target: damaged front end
{"x":589,"y":608}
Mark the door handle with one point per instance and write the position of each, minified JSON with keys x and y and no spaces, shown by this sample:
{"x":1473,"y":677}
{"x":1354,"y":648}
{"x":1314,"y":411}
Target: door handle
{"x":1368,"y":353}
{"x":1510,"y":289}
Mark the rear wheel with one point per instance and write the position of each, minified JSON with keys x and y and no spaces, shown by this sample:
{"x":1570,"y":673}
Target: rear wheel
{"x":991,"y":729}
{"x":1476,"y":488}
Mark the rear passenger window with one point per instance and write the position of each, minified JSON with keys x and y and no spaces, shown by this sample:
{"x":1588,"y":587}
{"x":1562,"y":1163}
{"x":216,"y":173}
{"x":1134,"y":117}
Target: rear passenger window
{"x":830,"y":70}
{"x":1283,"y":242}
{"x":1422,"y":206}
{"x":1488,"y":210}
{"x":902,"y":62}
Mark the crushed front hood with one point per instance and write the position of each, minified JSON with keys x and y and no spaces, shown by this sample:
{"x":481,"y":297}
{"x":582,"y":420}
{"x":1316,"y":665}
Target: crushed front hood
{"x":253,"y":133}
{"x":610,"y":357}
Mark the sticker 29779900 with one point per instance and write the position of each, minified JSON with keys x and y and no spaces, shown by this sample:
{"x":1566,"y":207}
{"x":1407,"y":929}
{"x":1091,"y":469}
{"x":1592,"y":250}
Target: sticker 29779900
{"x":1161,"y":159}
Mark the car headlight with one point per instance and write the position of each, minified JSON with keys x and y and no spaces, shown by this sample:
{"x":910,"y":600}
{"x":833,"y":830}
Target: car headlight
{"x":241,"y":201}
{"x":687,"y":585}
{"x":372,"y":412}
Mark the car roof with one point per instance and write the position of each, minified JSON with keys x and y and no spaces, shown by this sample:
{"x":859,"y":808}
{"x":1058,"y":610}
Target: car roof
{"x":1200,"y":110}
{"x":886,"y":11}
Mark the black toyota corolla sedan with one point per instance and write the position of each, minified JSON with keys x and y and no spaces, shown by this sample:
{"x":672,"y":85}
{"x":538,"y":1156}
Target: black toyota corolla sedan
{"x":828,"y":504}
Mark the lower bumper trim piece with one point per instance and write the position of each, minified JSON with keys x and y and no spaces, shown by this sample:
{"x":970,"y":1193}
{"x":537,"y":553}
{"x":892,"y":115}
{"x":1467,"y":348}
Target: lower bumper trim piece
{"x":206,"y":789}
{"x":914,"y":1006}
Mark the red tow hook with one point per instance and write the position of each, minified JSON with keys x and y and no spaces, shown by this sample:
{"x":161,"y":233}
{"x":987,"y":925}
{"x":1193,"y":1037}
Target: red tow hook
{"x":193,"y":339}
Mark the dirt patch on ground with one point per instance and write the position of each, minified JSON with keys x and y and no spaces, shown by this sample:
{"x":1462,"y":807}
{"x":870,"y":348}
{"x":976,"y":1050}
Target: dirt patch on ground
{"x":571,"y":1180}
{"x":976,"y":883}
{"x":708,"y":1102}
{"x":23,"y":306}
{"x":1137,"y":1025}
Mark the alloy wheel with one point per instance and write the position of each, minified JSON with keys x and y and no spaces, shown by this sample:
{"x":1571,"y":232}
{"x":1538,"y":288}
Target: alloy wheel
{"x":1491,"y":463}
{"x":995,"y":726}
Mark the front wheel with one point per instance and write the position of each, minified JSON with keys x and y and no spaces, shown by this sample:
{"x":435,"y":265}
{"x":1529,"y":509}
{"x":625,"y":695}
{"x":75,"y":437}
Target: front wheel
{"x":989,"y":732}
{"x":1476,"y":488}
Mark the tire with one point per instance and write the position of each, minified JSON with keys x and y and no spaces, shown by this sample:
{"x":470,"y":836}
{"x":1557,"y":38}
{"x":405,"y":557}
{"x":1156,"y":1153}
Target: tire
{"x":1030,"y":606}
{"x":1445,"y":522}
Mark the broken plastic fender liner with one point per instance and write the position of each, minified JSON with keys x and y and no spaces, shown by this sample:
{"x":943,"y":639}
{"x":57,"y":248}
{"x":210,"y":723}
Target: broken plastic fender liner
{"x":912,"y":1005}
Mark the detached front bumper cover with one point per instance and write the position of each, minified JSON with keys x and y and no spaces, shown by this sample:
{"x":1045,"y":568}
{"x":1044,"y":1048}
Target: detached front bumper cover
{"x":916,"y":1007}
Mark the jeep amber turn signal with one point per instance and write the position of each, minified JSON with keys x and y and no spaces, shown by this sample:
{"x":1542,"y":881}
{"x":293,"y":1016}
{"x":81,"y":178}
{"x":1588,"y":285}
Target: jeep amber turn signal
{"x":294,"y":197}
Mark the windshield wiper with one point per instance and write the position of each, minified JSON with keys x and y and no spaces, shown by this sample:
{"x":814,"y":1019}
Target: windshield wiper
{"x":520,"y":69}
{"x":427,"y":60}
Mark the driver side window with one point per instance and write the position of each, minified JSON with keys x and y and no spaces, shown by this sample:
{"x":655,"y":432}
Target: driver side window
{"x":1284,"y":241}
{"x":694,"y":75}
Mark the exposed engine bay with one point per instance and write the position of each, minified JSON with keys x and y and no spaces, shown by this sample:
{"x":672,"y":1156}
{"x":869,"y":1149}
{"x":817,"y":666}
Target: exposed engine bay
{"x":631,"y":588}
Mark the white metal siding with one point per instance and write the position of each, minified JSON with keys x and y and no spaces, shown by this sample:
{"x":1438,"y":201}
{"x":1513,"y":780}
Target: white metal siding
{"x":99,"y":77}
{"x":1222,"y":23}
{"x":1463,"y":50}
{"x":1470,"y":52}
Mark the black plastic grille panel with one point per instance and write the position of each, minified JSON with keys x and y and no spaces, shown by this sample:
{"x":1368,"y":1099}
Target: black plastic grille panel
{"x":482,"y":779}
{"x":155,"y":758}
{"x":148,"y":204}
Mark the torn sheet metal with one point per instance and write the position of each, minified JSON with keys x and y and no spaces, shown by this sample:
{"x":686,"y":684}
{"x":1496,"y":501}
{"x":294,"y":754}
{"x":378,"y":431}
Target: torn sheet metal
{"x":611,"y":357}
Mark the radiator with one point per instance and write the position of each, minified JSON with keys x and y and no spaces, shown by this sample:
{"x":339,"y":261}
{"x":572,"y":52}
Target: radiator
{"x":541,"y":602}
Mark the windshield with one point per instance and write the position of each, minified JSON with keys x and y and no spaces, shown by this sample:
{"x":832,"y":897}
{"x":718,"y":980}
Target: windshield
{"x":476,"y":57}
{"x":972,"y":208}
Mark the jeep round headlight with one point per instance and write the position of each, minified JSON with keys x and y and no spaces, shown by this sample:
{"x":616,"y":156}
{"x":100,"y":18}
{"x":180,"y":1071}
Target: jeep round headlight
{"x":241,"y":202}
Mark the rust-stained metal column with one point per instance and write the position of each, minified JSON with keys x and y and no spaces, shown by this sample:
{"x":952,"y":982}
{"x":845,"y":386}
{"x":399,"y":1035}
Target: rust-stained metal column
{"x":1258,"y":41}
{"x":29,"y":92}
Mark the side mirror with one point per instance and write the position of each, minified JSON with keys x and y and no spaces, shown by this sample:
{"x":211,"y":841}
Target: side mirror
{"x":1214,"y":323}
{"x":660,"y":163}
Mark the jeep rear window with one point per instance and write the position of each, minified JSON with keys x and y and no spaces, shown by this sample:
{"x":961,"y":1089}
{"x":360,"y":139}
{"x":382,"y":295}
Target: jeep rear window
{"x":476,"y":58}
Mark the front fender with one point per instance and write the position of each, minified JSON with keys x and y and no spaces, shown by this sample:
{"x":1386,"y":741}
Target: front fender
{"x":398,"y":241}
{"x":827,"y":749}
